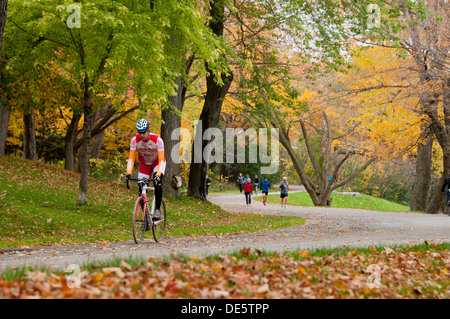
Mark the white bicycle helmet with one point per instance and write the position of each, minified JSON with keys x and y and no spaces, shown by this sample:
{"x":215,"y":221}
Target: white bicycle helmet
{"x":142,"y":125}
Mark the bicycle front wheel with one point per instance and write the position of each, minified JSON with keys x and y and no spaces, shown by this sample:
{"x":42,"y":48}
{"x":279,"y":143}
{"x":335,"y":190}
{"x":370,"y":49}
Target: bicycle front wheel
{"x":159,"y":227}
{"x":139,"y":221}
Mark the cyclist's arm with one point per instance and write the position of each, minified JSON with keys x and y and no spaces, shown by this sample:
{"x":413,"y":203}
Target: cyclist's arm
{"x":161,"y":158}
{"x":131,"y":160}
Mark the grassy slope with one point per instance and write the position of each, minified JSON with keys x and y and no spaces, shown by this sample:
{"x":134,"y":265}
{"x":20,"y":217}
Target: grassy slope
{"x":345,"y":201}
{"x":38,"y":206}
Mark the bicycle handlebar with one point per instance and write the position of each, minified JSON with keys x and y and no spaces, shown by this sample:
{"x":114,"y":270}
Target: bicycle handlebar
{"x":145,"y":180}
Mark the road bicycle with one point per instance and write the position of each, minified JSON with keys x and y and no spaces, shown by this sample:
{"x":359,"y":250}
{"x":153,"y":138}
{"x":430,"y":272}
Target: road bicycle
{"x":142,"y":215}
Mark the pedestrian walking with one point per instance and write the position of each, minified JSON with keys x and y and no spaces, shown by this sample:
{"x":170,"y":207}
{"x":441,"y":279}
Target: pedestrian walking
{"x":284,"y":192}
{"x":240,"y":180}
{"x":256,"y":183}
{"x":208,"y":182}
{"x":265,"y":184}
{"x":248,"y":189}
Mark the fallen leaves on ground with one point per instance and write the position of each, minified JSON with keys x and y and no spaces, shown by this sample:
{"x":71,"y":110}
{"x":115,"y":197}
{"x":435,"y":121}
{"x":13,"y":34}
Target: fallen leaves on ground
{"x":391,"y":273}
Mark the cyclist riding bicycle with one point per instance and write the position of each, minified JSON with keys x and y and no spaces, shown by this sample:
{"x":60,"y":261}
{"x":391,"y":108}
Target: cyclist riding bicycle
{"x":152,"y":160}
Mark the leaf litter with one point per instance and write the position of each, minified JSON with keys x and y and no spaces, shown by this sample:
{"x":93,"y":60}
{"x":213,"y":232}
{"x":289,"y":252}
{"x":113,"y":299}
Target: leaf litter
{"x":391,"y":273}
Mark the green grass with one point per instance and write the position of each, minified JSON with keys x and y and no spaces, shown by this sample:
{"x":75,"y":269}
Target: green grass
{"x":341,"y":201}
{"x":38,"y":206}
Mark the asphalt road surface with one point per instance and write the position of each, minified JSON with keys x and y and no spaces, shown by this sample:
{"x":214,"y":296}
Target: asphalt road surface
{"x":324,"y":227}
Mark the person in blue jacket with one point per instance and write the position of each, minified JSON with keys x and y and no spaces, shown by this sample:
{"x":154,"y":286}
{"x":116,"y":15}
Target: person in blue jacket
{"x":265,"y":184}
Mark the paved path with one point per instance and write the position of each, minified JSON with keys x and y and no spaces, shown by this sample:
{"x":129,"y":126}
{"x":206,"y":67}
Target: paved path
{"x":324,"y":227}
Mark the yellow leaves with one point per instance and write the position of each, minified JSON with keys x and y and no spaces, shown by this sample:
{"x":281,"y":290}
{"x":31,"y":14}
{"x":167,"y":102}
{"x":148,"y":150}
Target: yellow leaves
{"x":304,"y":253}
{"x":307,"y":95}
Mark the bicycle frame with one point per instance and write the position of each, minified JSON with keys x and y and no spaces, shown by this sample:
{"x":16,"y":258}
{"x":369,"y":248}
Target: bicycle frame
{"x":147,"y":213}
{"x":144,"y":188}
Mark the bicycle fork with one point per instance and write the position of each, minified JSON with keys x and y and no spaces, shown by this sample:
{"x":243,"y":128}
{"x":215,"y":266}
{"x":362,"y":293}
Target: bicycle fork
{"x":142,"y":204}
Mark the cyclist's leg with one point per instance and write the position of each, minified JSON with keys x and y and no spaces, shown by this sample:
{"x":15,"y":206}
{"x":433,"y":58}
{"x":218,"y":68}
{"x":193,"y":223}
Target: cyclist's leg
{"x":158,"y":193}
{"x":142,"y":175}
{"x":447,"y":193}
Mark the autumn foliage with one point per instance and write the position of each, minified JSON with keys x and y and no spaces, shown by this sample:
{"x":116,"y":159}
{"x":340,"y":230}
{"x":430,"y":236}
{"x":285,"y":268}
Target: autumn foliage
{"x":378,"y":273}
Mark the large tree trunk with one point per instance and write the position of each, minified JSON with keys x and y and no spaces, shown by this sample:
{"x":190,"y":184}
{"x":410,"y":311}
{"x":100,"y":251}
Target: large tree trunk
{"x":209,"y":118}
{"x":172,"y":121}
{"x":437,"y":197}
{"x":85,"y":148}
{"x":29,"y":135}
{"x":422,"y":179}
{"x":441,"y":130}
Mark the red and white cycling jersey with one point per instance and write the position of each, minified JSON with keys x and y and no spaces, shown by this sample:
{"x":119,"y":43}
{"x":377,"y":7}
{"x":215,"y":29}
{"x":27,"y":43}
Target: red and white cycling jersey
{"x":148,"y":153}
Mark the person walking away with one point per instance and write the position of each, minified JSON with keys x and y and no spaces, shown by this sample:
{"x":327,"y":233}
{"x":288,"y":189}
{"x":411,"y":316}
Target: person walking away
{"x":150,"y":148}
{"x":447,"y":193}
{"x":284,"y":192}
{"x":241,"y":182}
{"x":265,"y":184}
{"x":256,"y":182}
{"x":208,"y":182}
{"x":248,"y":189}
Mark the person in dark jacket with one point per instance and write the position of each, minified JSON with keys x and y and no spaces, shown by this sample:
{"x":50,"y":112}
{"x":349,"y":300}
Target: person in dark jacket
{"x":256,"y":183}
{"x":208,"y":183}
{"x":265,"y":184}
{"x":240,"y":180}
{"x":447,"y":193}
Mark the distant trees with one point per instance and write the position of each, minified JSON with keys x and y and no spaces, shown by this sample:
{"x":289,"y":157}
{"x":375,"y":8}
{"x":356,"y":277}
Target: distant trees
{"x":283,"y":64}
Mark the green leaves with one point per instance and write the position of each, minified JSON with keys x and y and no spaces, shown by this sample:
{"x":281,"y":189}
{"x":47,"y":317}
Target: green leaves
{"x":142,"y":46}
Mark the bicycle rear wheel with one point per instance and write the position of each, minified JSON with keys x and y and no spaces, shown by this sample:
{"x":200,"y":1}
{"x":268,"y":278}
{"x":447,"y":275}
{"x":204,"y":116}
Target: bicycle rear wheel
{"x":159,"y":227}
{"x":139,"y":221}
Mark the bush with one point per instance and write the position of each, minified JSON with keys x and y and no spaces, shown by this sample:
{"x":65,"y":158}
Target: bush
{"x":112,"y":169}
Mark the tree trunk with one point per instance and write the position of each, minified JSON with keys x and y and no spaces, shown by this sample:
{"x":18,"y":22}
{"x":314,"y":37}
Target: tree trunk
{"x":29,"y":135}
{"x":422,"y":179}
{"x":208,"y":119}
{"x":172,"y":121}
{"x":97,"y":143}
{"x":215,"y":93}
{"x":321,"y":190}
{"x":4,"y":122}
{"x":71,"y":136}
{"x":441,"y":130}
{"x":4,"y":112}
{"x":85,"y":148}
{"x":3,"y":14}
{"x":437,"y":198}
